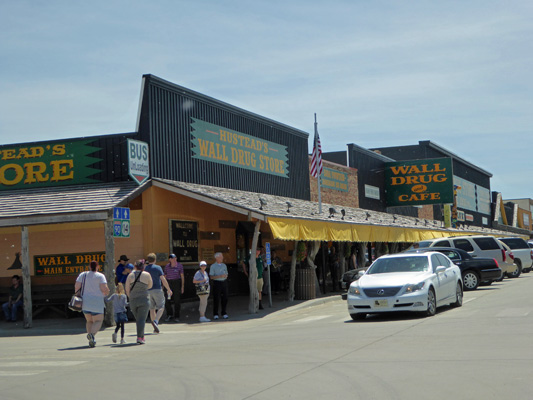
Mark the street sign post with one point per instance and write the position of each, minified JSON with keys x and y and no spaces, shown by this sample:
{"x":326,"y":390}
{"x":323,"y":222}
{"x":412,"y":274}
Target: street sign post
{"x":121,"y":222}
{"x":269,"y":263}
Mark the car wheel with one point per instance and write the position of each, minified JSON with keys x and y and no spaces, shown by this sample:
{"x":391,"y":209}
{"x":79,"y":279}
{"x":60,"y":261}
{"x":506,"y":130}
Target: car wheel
{"x":432,"y":303}
{"x":358,"y":317}
{"x":516,"y":273}
{"x":458,"y":295}
{"x":470,"y":280}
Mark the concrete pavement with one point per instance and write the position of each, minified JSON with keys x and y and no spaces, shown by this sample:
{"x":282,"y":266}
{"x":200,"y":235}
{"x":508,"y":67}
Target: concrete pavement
{"x":237,"y":311}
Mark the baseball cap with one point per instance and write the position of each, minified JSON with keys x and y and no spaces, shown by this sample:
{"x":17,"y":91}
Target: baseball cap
{"x":203,"y":263}
{"x":172,"y":256}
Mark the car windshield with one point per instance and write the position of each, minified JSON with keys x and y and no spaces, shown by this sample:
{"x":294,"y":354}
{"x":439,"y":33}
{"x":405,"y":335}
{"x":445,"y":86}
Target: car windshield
{"x":399,"y":264}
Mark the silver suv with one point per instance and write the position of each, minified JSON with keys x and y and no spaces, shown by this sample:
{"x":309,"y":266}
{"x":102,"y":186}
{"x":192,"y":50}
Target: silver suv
{"x":479,"y":246}
{"x":523,"y":254}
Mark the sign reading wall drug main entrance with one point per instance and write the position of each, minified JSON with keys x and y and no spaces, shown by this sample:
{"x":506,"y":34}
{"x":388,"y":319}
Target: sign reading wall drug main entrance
{"x":220,"y":145}
{"x":418,"y":182}
{"x":66,"y":264}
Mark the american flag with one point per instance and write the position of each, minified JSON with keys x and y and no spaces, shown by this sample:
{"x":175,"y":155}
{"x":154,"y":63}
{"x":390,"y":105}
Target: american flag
{"x":316,"y":159}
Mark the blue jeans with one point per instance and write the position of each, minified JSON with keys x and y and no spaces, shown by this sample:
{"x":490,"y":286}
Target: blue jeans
{"x":14,"y":307}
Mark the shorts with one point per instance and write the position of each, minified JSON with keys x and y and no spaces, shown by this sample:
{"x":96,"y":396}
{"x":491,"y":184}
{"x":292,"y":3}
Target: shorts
{"x":92,"y":313}
{"x":260,"y":285}
{"x":157,"y":299}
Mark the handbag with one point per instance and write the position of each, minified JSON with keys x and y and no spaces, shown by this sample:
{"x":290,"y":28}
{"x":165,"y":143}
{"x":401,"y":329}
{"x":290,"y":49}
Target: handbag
{"x":202,"y":288}
{"x":76,"y":301}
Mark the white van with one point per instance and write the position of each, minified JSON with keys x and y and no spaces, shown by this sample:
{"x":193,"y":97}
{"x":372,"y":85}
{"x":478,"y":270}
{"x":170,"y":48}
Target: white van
{"x":479,"y":246}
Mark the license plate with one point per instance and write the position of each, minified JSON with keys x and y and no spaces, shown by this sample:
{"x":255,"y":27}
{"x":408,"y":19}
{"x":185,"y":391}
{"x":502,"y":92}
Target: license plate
{"x":381,"y":303}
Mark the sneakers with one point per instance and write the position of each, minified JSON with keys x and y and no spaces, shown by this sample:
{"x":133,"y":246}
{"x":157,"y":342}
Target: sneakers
{"x":122,"y":341}
{"x":114,"y":337}
{"x":225,"y":316}
{"x":156,"y":326}
{"x":204,"y":319}
{"x":215,"y":317}
{"x":260,"y":306}
{"x":92,"y":341}
{"x":140,"y":340}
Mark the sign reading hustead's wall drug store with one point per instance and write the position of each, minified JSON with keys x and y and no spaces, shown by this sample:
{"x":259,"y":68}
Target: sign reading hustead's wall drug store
{"x":419,"y":182}
{"x":47,"y":164}
{"x":66,"y":264}
{"x":218,"y":144}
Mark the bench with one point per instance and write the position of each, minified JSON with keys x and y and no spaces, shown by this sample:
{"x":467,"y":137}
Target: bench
{"x":52,"y":297}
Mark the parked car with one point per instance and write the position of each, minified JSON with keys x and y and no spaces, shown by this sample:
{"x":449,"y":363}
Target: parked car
{"x":477,"y":246}
{"x":517,"y":269}
{"x":351,"y":275}
{"x":523,"y":254}
{"x":418,"y":282}
{"x":474,"y":271}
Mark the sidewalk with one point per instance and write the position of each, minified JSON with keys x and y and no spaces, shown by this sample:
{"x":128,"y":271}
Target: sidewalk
{"x":237,"y":310}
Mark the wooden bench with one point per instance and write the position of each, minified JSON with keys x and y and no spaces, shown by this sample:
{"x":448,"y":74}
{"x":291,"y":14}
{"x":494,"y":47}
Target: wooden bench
{"x":52,"y":297}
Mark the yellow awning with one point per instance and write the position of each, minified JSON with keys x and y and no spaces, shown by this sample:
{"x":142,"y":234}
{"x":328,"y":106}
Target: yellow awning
{"x":309,"y":230}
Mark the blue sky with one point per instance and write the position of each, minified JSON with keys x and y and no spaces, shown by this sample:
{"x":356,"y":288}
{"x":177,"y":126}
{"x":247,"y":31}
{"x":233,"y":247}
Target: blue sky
{"x":377,"y":73}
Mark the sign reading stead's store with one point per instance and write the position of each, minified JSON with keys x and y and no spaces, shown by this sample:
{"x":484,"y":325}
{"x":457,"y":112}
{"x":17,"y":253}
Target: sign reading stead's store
{"x":184,"y":240}
{"x":66,"y":264}
{"x":217,"y":144}
{"x":418,"y":182}
{"x":47,"y":164}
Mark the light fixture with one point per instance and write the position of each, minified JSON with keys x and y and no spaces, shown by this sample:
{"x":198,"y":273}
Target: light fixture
{"x":367,"y":216}
{"x":289,"y":205}
{"x":263,"y":203}
{"x":332,"y":212}
{"x":343,"y":212}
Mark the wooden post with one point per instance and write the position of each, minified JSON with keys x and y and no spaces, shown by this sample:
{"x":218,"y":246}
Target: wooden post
{"x":26,"y":278}
{"x":108,"y":267}
{"x":292,"y":276}
{"x":342,"y":260}
{"x":253,"y":306}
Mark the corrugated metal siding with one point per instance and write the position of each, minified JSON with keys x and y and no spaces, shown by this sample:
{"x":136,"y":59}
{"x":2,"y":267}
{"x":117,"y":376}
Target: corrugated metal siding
{"x":165,"y":124}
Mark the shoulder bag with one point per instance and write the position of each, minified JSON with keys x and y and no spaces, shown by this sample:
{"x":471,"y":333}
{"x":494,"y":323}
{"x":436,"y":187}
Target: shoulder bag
{"x":76,"y":301}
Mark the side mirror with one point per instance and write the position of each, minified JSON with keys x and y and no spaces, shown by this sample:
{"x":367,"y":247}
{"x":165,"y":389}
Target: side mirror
{"x":440,"y":269}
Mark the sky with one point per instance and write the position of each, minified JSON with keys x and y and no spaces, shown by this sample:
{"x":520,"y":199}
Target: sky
{"x":376,"y":73}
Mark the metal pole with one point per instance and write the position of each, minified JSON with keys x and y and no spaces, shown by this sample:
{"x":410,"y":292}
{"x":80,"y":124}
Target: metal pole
{"x":319,"y":177}
{"x":26,"y":278}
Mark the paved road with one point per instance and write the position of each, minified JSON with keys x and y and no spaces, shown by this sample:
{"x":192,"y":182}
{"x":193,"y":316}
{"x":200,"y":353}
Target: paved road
{"x":482,"y":350}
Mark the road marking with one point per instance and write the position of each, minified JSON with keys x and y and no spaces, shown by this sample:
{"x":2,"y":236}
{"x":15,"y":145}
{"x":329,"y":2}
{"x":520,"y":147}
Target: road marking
{"x":307,"y":319}
{"x":514,"y":312}
{"x":20,"y":373}
{"x":40,"y":364}
{"x":468,"y":300}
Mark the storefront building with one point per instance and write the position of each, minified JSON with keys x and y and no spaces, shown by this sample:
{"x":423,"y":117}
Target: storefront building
{"x":200,"y":176}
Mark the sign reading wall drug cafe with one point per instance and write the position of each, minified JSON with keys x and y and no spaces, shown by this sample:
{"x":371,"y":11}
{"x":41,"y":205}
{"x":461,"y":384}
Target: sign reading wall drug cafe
{"x":47,"y":164}
{"x":220,"y":145}
{"x":66,"y":264}
{"x":418,"y":182}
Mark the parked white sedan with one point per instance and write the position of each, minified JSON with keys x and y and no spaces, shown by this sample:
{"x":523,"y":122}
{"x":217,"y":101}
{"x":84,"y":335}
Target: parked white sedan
{"x":406,"y":282}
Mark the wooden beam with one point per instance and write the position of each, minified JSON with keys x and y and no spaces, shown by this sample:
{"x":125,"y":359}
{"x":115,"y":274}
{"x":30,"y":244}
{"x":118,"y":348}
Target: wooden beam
{"x":109,"y":264}
{"x":26,"y":277}
{"x":253,"y":306}
{"x":53,"y":219}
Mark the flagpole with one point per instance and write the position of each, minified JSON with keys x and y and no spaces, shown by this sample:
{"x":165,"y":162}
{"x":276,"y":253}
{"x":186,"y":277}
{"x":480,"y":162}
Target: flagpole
{"x":319,"y":175}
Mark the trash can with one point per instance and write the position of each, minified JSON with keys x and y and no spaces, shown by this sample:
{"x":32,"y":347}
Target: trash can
{"x":304,"y":285}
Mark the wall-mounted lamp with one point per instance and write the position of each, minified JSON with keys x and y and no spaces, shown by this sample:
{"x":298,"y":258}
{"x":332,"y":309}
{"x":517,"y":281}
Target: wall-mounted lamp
{"x":332,"y":211}
{"x":263,"y":203}
{"x":289,"y":205}
{"x":343,"y":212}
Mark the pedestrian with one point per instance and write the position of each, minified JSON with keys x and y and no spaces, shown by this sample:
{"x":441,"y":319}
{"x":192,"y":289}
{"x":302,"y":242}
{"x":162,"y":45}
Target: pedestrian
{"x":176,"y":280}
{"x":123,"y":269}
{"x":201,"y":281}
{"x":94,"y":291}
{"x":156,"y":295}
{"x":14,"y":300}
{"x":120,"y":301}
{"x":137,"y":286}
{"x":218,"y":274}
{"x":333,"y":263}
{"x":259,"y":266}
